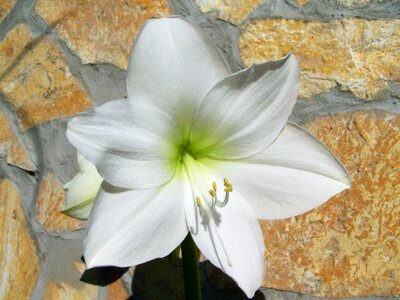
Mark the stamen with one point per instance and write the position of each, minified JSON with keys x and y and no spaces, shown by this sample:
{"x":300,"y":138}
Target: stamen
{"x":198,"y":201}
{"x":213,"y":192}
{"x":223,"y":248}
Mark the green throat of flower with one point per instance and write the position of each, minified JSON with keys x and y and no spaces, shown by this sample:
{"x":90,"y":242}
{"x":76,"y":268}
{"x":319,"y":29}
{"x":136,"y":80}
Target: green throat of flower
{"x":204,"y":186}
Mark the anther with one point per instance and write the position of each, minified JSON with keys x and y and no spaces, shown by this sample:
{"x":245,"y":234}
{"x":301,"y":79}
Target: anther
{"x":226,"y":182}
{"x":198,"y":201}
{"x":212,"y":193}
{"x":214,"y":185}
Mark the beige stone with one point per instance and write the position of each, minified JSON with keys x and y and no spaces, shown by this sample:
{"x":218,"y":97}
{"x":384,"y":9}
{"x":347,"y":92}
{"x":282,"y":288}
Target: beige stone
{"x":350,"y":246}
{"x":48,"y":205}
{"x":100,"y":31}
{"x":357,"y":3}
{"x":11,"y":149}
{"x":234,"y":11}
{"x":36,"y":80}
{"x":117,"y":291}
{"x":19,"y":263}
{"x":360,"y":56}
{"x":302,"y":2}
{"x":5,"y":8}
{"x":15,"y":44}
{"x":65,"y":291}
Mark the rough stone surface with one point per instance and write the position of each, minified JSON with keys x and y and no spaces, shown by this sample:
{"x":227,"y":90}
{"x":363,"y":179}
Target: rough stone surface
{"x":38,"y":83}
{"x":117,"y":291}
{"x":19,"y":263}
{"x":234,"y":11}
{"x":302,"y":2}
{"x":63,"y":290}
{"x":357,"y":3}
{"x":346,"y":3}
{"x":100,"y":31}
{"x":12,"y":47}
{"x":48,"y":205}
{"x":358,"y":55}
{"x":349,"y":246}
{"x":11,"y":150}
{"x":5,"y":8}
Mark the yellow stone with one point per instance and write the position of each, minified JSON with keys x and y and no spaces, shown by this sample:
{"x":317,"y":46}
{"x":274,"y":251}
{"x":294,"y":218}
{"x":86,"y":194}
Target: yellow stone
{"x":19,"y":263}
{"x":13,"y":47}
{"x":10,"y":147}
{"x":99,"y":31}
{"x":48,"y":205}
{"x":36,"y":80}
{"x":234,"y":11}
{"x":117,"y":290}
{"x":63,"y":290}
{"x":350,"y":246}
{"x":302,"y":2}
{"x":360,"y":56}
{"x":358,"y":3}
{"x":5,"y":7}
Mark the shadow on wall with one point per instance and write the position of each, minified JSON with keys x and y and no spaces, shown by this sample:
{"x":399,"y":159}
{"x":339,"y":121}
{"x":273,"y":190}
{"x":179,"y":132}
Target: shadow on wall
{"x":163,"y":279}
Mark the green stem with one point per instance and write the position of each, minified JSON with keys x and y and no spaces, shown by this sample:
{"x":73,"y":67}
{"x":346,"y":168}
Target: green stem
{"x":191,"y":274}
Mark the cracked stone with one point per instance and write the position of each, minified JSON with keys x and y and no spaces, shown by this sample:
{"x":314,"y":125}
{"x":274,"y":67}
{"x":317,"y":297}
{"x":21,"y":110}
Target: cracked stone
{"x":234,"y":11}
{"x":36,"y":80}
{"x":5,"y":8}
{"x":349,"y":246}
{"x":11,"y":150}
{"x":100,"y":31}
{"x":19,"y":262}
{"x":360,"y":56}
{"x":48,"y":205}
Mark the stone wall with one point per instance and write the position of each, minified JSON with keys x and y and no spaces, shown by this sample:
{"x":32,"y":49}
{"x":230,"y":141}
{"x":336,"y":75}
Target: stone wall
{"x":58,"y":58}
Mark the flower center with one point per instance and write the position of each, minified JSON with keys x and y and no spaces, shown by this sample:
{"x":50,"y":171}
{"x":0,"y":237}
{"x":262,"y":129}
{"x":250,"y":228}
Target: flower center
{"x":200,"y":177}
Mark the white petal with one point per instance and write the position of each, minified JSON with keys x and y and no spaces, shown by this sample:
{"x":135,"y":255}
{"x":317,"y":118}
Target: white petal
{"x":230,"y":237}
{"x":81,"y":192}
{"x":172,"y":66}
{"x":125,"y":154}
{"x":292,"y":176}
{"x":246,"y":111}
{"x":130,"y":227}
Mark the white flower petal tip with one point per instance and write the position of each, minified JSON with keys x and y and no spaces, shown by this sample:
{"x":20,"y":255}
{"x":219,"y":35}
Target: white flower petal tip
{"x":81,"y":190}
{"x":111,"y":139}
{"x":130,"y":227}
{"x":246,"y":111}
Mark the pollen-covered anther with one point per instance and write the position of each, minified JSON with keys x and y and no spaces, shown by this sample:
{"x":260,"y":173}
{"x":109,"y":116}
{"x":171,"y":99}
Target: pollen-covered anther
{"x":213,"y":192}
{"x":198,"y":201}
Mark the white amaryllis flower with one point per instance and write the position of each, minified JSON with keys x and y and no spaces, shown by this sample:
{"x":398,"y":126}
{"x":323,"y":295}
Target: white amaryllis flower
{"x":197,"y":149}
{"x":81,"y":190}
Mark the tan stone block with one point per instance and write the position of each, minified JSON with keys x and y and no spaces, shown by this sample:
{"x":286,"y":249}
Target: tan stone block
{"x":361,"y":56}
{"x":357,"y":3}
{"x":11,"y":149}
{"x":5,"y":8}
{"x":234,"y":11}
{"x":36,"y":80}
{"x":302,"y":2}
{"x":117,"y":291}
{"x":48,"y":205}
{"x":64,"y":290}
{"x":349,"y":246}
{"x":99,"y":31}
{"x":19,"y":263}
{"x":13,"y":46}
